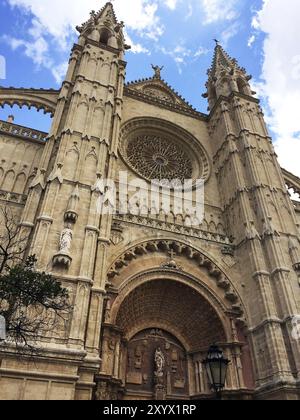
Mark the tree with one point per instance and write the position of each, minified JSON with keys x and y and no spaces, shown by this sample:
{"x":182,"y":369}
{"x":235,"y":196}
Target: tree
{"x":33,"y":303}
{"x":12,"y":242}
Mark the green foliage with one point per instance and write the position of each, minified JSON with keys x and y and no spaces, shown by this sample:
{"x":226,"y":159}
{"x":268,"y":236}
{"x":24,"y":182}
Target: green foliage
{"x":32,"y":303}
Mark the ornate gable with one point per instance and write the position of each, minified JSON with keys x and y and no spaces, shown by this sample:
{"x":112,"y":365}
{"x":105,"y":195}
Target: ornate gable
{"x":157,"y":91}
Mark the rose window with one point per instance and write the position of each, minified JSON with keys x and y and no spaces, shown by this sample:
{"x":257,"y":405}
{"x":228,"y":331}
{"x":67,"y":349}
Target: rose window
{"x":155,"y":157}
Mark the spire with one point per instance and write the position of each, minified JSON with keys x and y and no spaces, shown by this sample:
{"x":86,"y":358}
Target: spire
{"x":104,"y":27}
{"x":222,"y":62}
{"x":225,"y":76}
{"x":107,"y":14}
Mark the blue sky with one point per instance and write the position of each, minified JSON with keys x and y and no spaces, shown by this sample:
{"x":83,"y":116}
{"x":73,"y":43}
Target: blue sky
{"x":36,"y":37}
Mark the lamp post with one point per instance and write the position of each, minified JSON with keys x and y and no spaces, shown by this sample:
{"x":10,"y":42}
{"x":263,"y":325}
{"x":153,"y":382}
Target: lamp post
{"x":216,"y":366}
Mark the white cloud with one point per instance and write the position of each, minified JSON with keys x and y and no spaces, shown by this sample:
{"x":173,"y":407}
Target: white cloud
{"x":71,"y":13}
{"x":230,"y":32}
{"x":190,"y":11}
{"x":53,"y":22}
{"x":48,"y":26}
{"x":136,"y":48}
{"x":201,"y":51}
{"x":251,"y":41}
{"x":281,"y":75}
{"x":219,"y":10}
{"x":38,"y":52}
{"x":180,"y":54}
{"x":171,"y":4}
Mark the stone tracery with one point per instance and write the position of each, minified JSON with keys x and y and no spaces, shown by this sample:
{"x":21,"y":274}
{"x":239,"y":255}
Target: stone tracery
{"x":157,"y":149}
{"x":156,"y":157}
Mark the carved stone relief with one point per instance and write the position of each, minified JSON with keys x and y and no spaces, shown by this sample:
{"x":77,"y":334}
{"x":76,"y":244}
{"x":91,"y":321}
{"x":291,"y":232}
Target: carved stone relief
{"x":156,"y":365}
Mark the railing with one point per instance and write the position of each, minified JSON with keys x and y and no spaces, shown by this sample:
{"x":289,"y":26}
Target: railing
{"x":18,"y":130}
{"x":13,"y":197}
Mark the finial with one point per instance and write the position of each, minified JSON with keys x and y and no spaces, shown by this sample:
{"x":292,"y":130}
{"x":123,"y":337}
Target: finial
{"x":217,"y":42}
{"x":157,"y":71}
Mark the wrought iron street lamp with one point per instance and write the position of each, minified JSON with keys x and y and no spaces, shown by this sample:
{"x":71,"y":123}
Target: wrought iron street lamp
{"x":216,"y":366}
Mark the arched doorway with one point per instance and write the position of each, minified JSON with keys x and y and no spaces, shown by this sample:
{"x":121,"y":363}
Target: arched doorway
{"x":174,"y":313}
{"x":190,"y":302}
{"x":165,"y":318}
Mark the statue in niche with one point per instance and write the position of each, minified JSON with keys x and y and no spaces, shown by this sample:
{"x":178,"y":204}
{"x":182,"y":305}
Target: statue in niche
{"x":160,"y":363}
{"x":138,"y":358}
{"x":66,"y":240}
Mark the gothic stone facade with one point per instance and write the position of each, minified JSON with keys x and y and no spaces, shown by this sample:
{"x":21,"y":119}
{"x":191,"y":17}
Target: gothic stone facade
{"x":143,"y":285}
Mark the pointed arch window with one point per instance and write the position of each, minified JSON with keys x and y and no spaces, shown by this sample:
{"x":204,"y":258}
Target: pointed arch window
{"x":104,"y":36}
{"x":242,"y":86}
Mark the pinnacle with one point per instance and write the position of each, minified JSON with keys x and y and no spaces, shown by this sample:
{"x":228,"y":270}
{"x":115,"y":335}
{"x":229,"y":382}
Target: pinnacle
{"x":222,"y":59}
{"x":106,"y":11}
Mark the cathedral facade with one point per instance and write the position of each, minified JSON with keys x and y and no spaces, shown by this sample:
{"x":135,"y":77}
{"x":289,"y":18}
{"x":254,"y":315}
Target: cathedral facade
{"x":150,"y":286}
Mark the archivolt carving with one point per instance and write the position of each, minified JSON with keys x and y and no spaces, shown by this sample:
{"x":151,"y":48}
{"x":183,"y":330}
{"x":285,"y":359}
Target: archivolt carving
{"x":163,"y":162}
{"x":37,"y":98}
{"x":165,"y":246}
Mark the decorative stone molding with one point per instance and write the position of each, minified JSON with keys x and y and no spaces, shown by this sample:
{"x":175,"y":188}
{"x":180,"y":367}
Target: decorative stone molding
{"x":227,"y":250}
{"x":155,"y":223}
{"x":167,"y":246}
{"x":71,"y":215}
{"x":116,"y":233}
{"x":56,"y":174}
{"x":157,"y":91}
{"x":268,"y":228}
{"x":62,"y":260}
{"x":39,"y":180}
